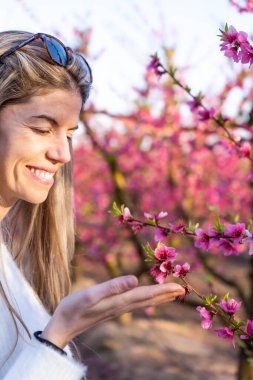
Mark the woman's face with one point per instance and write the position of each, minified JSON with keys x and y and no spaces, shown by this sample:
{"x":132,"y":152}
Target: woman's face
{"x":34,"y":144}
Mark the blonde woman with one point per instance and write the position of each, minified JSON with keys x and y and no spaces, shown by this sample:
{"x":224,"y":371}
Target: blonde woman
{"x":43,"y":87}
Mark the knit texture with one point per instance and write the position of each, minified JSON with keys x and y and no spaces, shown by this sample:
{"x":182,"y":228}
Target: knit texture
{"x":31,"y":359}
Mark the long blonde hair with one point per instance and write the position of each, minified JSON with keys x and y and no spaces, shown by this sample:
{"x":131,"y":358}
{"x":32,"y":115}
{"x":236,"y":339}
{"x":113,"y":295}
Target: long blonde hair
{"x":40,"y":237}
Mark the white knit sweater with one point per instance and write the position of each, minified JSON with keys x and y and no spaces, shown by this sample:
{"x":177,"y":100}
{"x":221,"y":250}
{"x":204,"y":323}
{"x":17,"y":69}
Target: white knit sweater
{"x":31,"y":359}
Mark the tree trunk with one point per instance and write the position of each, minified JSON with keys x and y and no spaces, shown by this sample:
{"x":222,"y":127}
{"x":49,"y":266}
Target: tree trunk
{"x":245,"y":371}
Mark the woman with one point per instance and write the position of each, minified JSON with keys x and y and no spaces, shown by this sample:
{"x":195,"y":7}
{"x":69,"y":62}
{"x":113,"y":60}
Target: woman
{"x":43,"y":86}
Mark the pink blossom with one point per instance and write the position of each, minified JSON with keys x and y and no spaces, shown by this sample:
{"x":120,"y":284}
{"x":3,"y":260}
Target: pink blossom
{"x":226,"y":333}
{"x":228,"y":247}
{"x":161,"y":215}
{"x":205,"y":114}
{"x":166,"y":267}
{"x":249,"y":329}
{"x":157,"y":217}
{"x":251,"y":247}
{"x":245,"y":148}
{"x":177,"y":228}
{"x":149,"y":216}
{"x":160,"y":272}
{"x":164,"y":253}
{"x":232,"y":41}
{"x":246,"y":53}
{"x":136,"y":227}
{"x":213,"y":234}
{"x":126,"y":215}
{"x":150,"y":311}
{"x":194,"y":104}
{"x":207,"y":317}
{"x":156,"y":66}
{"x":235,"y":231}
{"x":160,"y":234}
{"x":246,"y":7}
{"x":250,"y":176}
{"x":248,"y":239}
{"x":231,"y":307}
{"x":203,"y":240}
{"x":181,"y":270}
{"x":158,"y":275}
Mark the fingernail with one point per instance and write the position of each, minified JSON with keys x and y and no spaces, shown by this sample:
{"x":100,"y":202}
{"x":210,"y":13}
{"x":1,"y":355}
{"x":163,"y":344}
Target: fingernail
{"x":131,"y":282}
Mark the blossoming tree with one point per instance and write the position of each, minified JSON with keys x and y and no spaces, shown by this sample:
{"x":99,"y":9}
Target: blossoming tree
{"x":184,"y":169}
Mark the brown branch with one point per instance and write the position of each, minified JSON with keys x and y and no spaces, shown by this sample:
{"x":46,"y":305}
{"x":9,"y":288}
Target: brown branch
{"x":226,"y":280}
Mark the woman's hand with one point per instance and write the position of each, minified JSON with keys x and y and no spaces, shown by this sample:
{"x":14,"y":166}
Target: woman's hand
{"x":87,"y":307}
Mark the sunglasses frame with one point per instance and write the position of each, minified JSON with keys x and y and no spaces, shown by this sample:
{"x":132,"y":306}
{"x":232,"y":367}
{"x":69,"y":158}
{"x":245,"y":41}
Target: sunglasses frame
{"x":43,"y":37}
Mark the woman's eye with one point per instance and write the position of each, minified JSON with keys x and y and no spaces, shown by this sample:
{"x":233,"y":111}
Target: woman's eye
{"x":46,"y":131}
{"x":40,"y":131}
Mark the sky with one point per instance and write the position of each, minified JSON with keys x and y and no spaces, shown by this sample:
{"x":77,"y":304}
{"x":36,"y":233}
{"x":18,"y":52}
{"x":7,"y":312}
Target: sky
{"x":126,"y":32}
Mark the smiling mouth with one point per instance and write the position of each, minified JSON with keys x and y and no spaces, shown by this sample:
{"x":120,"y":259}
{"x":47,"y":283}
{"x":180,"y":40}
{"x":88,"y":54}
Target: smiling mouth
{"x":41,"y":175}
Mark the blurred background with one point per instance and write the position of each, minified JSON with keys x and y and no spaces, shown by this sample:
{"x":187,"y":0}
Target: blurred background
{"x":140,"y":145}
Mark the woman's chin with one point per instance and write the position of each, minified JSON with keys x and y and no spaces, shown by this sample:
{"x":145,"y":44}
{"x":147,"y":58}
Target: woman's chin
{"x":35,"y":199}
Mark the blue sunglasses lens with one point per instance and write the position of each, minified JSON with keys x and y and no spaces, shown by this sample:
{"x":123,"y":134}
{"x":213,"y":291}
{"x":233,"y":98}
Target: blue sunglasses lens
{"x":56,"y":51}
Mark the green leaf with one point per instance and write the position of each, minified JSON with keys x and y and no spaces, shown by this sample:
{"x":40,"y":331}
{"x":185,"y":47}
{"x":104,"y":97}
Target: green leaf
{"x":149,"y":260}
{"x":200,"y":96}
{"x":240,"y":323}
{"x":149,"y":251}
{"x":172,"y":70}
{"x":151,"y":221}
{"x":116,"y":211}
{"x":218,"y":226}
{"x":210,"y":299}
{"x":220,"y":119}
{"x":187,"y":89}
{"x":226,"y":27}
{"x":226,"y":297}
{"x":190,"y":226}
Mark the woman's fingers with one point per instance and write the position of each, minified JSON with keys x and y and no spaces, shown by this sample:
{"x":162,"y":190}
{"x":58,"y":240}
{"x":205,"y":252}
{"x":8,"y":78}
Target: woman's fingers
{"x":158,"y":300}
{"x":116,"y":286}
{"x":149,"y":292}
{"x":136,"y":298}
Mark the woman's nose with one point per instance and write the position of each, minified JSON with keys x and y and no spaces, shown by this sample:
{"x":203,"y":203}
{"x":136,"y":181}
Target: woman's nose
{"x":59,"y":151}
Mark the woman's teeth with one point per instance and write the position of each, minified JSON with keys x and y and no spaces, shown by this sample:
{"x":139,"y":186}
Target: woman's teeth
{"x":42,"y":174}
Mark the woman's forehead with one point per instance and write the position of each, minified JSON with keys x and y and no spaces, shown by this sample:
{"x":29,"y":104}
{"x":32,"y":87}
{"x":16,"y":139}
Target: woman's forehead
{"x":58,"y":106}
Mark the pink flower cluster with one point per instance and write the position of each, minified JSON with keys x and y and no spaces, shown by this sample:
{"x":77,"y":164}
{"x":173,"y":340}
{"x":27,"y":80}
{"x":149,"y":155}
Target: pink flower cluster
{"x":228,"y":240}
{"x":230,"y":307}
{"x":247,"y":7}
{"x":249,"y":330}
{"x":207,"y":317}
{"x":156,"y":66}
{"x":236,"y":45}
{"x":204,"y":114}
{"x":164,"y":258}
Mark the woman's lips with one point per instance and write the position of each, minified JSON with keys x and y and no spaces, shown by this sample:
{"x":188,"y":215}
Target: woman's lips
{"x":41,"y":176}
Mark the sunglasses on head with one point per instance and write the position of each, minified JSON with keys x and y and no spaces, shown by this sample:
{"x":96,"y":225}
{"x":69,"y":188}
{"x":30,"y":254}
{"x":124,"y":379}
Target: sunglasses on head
{"x":57,"y":52}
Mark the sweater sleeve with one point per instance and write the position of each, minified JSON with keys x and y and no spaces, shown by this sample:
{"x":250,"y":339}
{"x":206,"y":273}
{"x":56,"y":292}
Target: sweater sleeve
{"x":38,"y":361}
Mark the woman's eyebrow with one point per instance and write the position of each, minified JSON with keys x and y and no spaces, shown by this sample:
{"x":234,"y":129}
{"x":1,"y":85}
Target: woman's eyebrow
{"x":51,"y":120}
